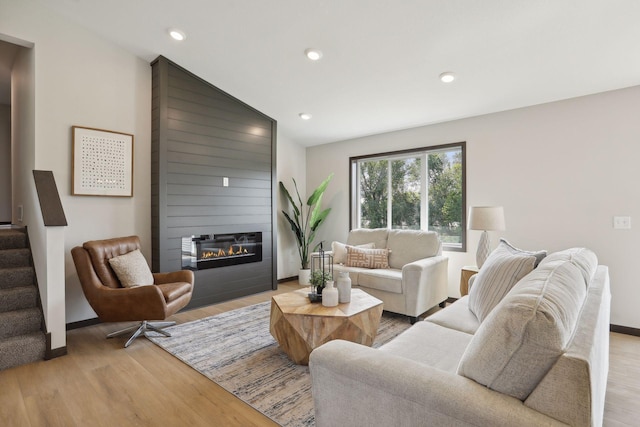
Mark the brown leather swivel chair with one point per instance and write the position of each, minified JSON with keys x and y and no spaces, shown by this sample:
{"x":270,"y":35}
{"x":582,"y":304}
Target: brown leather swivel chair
{"x":114,"y":303}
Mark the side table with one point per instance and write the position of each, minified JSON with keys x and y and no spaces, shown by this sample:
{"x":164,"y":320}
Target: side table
{"x":465,"y":274}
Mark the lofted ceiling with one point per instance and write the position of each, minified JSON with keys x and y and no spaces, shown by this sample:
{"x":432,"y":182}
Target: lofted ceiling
{"x":381,"y":58}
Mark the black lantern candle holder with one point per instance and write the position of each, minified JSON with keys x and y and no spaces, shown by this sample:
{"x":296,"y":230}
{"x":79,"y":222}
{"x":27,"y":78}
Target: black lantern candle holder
{"x":321,"y":273}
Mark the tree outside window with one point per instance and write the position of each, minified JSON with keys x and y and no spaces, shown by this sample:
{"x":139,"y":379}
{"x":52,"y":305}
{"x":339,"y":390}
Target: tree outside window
{"x":420,"y":189}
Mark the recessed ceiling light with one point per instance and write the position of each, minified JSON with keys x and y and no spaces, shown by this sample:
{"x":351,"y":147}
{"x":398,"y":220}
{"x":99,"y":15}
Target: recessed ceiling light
{"x":313,"y":54}
{"x":176,"y":34}
{"x":305,"y":116}
{"x":447,"y":77}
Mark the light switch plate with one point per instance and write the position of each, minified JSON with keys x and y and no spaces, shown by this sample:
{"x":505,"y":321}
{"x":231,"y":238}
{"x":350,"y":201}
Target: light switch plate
{"x":225,"y":181}
{"x":622,"y":222}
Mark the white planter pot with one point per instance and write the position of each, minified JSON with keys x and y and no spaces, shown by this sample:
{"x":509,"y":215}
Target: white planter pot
{"x":304,"y":277}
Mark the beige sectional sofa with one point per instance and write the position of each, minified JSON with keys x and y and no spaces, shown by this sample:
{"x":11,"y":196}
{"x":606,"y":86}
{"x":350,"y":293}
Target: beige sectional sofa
{"x":415,"y":278}
{"x":539,"y":356}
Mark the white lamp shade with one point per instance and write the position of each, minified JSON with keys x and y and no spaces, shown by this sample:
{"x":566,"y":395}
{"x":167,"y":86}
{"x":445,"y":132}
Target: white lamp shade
{"x":486,"y":218}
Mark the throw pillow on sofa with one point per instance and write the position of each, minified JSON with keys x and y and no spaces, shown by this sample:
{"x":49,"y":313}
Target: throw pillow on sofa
{"x":499,"y":273}
{"x":520,"y":341}
{"x":583,"y":258}
{"x":367,"y":258}
{"x":340,"y":251}
{"x":517,"y":251}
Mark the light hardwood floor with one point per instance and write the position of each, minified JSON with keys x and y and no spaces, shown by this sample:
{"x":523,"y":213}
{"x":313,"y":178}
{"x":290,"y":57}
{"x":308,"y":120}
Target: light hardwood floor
{"x":99,"y":383}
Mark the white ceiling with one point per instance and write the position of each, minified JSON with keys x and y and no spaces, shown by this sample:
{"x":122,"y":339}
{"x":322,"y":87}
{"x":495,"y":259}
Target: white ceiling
{"x":381,"y":58}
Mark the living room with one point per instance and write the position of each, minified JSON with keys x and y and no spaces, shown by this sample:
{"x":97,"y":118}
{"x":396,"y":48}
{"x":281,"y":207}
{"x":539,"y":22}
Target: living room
{"x":562,"y":169}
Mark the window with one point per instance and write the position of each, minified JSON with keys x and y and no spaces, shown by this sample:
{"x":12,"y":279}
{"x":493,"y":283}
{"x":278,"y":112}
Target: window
{"x":421,"y":189}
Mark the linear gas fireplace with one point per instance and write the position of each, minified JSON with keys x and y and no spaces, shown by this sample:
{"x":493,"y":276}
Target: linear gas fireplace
{"x":221,"y":250}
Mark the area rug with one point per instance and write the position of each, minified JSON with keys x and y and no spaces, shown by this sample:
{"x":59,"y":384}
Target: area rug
{"x":236,"y":350}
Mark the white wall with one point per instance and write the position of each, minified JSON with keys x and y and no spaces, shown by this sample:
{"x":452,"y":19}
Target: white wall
{"x":291,"y":159}
{"x":80,"y":79}
{"x":561,"y":170}
{"x":5,"y":163}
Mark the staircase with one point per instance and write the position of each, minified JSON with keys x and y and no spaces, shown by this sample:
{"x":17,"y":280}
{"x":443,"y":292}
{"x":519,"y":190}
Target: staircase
{"x":21,"y":338}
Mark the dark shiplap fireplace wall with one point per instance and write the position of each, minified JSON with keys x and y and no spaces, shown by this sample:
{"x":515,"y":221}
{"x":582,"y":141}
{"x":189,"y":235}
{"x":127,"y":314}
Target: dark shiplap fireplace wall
{"x":200,"y":136}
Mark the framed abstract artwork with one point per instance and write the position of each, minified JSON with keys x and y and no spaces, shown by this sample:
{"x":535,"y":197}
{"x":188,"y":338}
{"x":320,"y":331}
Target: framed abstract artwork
{"x":102,"y":163}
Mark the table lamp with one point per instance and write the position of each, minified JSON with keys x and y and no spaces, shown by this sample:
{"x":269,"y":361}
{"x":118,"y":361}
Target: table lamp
{"x":485,"y":218}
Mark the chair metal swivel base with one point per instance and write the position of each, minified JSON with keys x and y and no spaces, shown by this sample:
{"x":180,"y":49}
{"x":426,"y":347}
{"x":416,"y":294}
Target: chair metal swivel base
{"x":141,"y":329}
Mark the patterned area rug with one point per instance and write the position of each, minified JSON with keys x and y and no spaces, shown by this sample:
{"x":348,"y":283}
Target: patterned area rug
{"x":236,"y":350}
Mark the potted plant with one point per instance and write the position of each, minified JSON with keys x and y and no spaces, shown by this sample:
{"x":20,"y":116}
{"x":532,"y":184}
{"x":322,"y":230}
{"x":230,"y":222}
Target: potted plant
{"x":305,"y":222}
{"x":319,"y":279}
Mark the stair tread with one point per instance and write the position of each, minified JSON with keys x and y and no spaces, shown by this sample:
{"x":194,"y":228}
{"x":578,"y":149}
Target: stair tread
{"x":24,"y":311}
{"x":22,"y":349}
{"x":17,"y":289}
{"x":11,"y":231}
{"x":35,"y":334}
{"x":12,"y":238}
{"x":18,"y":297}
{"x":20,"y":322}
{"x":14,"y":250}
{"x":19,"y":257}
{"x":16,"y":276}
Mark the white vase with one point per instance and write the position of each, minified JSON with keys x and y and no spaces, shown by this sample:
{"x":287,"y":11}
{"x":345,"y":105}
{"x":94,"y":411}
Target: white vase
{"x":330,"y":295}
{"x":344,"y":287}
{"x":304,"y":277}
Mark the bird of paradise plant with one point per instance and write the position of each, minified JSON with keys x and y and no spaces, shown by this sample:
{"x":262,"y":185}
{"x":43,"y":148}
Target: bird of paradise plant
{"x":305,"y":223}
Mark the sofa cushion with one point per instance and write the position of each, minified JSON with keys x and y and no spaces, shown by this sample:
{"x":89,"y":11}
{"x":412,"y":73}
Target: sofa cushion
{"x":340,"y":251}
{"x":517,"y":251}
{"x":411,"y":245}
{"x":498,"y":274}
{"x":388,"y":280}
{"x":430,"y":344}
{"x":456,"y":316}
{"x":527,"y":332}
{"x":583,"y":258}
{"x":367,"y":258}
{"x":353,"y":272}
{"x":132,"y":269}
{"x":361,"y":236}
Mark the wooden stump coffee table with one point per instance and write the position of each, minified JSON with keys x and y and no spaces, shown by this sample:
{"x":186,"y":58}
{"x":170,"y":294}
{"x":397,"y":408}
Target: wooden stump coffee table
{"x":299,"y":326}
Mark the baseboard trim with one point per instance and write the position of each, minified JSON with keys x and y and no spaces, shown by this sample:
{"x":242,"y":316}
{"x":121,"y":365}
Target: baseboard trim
{"x":56,"y":352}
{"x":50,"y":353}
{"x":625,"y":330}
{"x":287,"y":279}
{"x":82,"y":323}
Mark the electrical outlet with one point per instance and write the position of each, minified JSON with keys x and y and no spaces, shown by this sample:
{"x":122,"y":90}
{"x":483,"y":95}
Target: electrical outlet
{"x":622,"y":222}
{"x":20,"y":213}
{"x":225,"y":181}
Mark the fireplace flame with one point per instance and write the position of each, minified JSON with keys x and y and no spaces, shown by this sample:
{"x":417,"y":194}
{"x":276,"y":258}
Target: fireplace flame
{"x":222,"y":253}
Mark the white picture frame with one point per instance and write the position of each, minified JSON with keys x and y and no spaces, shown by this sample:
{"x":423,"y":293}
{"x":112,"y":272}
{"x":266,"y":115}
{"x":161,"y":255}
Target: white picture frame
{"x":102,"y":163}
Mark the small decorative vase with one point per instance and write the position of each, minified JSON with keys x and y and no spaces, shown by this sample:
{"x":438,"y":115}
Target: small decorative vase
{"x":330,"y":295}
{"x":344,"y":287}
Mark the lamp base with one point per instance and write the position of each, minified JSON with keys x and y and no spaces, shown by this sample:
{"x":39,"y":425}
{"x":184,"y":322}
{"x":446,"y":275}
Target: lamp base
{"x":484,"y":249}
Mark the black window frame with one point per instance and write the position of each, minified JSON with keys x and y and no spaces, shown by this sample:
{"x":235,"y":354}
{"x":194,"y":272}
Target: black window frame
{"x":421,"y":150}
